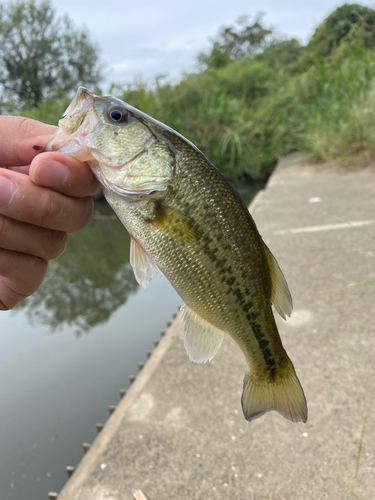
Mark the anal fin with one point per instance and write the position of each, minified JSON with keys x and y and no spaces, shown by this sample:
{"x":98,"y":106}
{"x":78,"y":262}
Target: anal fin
{"x":201,"y":339}
{"x":143,"y":266}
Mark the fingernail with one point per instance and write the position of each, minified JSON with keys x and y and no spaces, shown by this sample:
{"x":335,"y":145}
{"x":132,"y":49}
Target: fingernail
{"x":53,"y":174}
{"x":7,"y":190}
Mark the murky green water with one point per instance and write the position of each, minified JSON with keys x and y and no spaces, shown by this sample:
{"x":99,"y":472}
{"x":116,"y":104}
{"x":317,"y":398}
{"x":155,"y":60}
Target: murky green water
{"x":67,"y":351}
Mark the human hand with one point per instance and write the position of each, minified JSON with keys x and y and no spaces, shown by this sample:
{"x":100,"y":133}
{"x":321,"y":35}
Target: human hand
{"x":42,"y":197}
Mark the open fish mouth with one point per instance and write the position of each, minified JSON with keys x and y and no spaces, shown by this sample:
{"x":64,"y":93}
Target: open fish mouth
{"x":82,"y":100}
{"x":77,"y":122}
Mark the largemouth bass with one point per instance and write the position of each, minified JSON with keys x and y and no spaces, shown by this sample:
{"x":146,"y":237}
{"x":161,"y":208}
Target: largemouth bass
{"x":187,"y":222}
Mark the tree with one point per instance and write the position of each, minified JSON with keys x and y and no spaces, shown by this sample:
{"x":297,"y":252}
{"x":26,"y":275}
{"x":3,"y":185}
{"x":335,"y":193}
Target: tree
{"x":347,"y":22}
{"x":235,"y":42}
{"x":42,"y":56}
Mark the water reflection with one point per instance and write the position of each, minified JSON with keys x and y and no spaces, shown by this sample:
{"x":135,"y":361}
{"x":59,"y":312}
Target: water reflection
{"x":90,"y":280}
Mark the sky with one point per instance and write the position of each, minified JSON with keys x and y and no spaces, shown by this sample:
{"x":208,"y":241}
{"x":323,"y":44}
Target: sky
{"x":145,"y":39}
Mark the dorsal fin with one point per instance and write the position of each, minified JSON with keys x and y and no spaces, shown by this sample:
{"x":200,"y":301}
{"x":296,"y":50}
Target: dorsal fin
{"x":143,"y":266}
{"x":201,"y":339}
{"x":280,"y":294}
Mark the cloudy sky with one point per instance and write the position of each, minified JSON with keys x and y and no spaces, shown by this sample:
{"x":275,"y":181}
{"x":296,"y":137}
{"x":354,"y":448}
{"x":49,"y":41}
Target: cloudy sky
{"x":145,"y":39}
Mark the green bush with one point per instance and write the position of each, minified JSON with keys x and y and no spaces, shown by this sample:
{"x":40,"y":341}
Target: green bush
{"x":266,"y":96}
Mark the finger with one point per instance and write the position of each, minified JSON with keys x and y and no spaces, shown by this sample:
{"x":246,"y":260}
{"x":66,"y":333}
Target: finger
{"x":9,"y":296}
{"x":22,"y":139}
{"x":21,"y":274}
{"x":21,"y":170}
{"x":22,"y":200}
{"x":34,"y":240}
{"x":64,"y":174}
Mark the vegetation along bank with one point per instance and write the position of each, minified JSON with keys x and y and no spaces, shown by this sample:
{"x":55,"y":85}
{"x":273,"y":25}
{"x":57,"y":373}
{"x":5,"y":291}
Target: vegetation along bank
{"x":256,"y":96}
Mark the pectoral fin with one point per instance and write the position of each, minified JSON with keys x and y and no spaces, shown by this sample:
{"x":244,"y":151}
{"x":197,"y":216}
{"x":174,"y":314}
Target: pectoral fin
{"x":143,"y":266}
{"x":201,"y":339}
{"x":280,"y":294}
{"x":175,"y":224}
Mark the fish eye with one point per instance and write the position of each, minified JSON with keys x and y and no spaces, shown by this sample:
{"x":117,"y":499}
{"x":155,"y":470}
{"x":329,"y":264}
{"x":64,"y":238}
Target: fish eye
{"x":117,"y":114}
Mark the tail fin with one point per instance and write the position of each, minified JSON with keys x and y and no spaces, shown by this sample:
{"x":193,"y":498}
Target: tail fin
{"x":282,"y":393}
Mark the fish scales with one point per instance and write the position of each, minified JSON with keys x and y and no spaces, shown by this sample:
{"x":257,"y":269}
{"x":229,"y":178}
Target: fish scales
{"x":189,"y":223}
{"x":218,"y":279}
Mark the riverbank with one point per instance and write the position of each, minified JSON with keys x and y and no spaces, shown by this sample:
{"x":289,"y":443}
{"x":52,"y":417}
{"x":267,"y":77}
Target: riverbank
{"x":179,"y":432}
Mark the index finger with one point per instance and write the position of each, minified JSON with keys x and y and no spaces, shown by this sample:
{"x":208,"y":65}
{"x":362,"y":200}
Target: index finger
{"x":64,"y":174}
{"x":21,"y":139}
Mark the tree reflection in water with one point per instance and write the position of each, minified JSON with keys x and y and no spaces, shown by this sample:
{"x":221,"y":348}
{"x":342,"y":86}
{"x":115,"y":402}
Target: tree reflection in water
{"x":89,"y":281}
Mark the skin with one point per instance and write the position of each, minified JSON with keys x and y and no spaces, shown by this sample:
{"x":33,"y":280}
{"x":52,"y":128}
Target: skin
{"x":49,"y":197}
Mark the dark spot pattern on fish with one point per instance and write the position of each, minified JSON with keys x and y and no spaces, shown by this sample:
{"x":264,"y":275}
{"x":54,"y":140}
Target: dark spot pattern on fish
{"x":209,"y":250}
{"x":220,"y":265}
{"x":263,"y":345}
{"x":251,"y":316}
{"x":239,"y":297}
{"x":247,"y":306}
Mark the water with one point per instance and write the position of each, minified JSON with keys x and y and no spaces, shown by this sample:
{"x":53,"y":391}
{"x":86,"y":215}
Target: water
{"x":67,"y":351}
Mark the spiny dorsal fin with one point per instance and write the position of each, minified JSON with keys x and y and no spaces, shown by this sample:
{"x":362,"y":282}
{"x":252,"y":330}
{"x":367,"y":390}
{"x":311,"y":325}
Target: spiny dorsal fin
{"x":143,"y":266}
{"x":201,"y":339}
{"x":280,"y":294}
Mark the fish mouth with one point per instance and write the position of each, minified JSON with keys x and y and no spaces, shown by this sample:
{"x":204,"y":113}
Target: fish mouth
{"x":78,"y":121}
{"x":82,"y":100}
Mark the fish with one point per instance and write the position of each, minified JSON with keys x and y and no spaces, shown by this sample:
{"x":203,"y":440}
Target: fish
{"x":187,"y":222}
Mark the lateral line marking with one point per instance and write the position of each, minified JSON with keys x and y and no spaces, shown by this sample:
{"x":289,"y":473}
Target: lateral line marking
{"x":325,"y":227}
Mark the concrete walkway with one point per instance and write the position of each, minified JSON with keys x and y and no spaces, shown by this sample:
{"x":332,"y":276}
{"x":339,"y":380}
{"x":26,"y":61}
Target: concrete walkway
{"x":180,"y":434}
